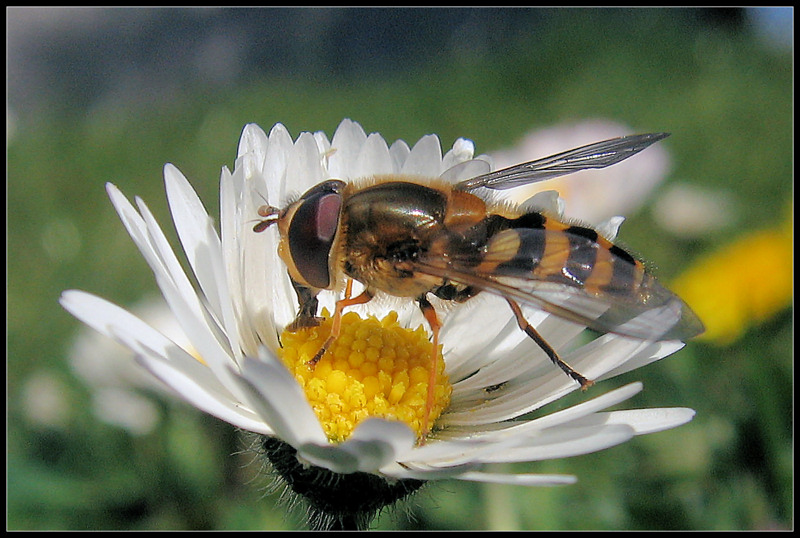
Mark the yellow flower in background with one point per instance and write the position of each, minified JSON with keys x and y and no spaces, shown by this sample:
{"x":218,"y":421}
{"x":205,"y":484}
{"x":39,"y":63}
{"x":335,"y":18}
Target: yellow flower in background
{"x":741,"y":285}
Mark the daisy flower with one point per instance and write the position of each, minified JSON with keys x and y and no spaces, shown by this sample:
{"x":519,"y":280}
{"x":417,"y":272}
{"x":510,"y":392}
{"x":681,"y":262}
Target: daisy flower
{"x":346,"y":434}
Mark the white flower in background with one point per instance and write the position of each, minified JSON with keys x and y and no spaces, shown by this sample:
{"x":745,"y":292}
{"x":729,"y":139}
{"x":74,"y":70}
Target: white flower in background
{"x":234,"y":322}
{"x":595,"y":195}
{"x":693,"y":211}
{"x":45,"y":400}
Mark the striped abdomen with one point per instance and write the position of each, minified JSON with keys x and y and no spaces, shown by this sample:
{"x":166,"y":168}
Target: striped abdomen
{"x":545,"y":249}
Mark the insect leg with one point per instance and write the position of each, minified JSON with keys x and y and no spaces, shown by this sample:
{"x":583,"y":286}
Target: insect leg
{"x":336,"y":326}
{"x":549,"y":351}
{"x":433,"y":320}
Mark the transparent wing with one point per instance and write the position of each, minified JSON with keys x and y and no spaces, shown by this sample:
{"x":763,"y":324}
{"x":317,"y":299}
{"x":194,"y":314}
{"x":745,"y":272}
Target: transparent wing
{"x":649,"y":311}
{"x":597,"y":155}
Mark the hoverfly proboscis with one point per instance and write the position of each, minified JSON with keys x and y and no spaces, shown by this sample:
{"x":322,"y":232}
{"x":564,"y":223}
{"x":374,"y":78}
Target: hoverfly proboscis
{"x":411,"y":238}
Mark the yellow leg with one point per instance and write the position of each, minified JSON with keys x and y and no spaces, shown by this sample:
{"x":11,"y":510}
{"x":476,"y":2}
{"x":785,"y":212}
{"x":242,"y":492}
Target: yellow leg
{"x":336,"y":326}
{"x":433,"y":320}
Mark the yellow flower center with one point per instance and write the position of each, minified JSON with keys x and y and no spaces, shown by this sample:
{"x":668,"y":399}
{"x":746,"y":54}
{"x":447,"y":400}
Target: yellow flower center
{"x":375,"y":368}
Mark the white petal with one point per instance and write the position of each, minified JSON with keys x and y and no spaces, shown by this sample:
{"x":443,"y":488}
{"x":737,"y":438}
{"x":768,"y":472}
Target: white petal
{"x":199,"y":329}
{"x":275,"y":395}
{"x":518,"y":479}
{"x":328,"y":456}
{"x":166,"y":360}
{"x":465,"y":450}
{"x":119,"y":324}
{"x":425,"y":158}
{"x":253,"y":140}
{"x":304,"y":167}
{"x":610,"y":228}
{"x":519,"y":397}
{"x":232,"y":206}
{"x":154,"y":246}
{"x":191,"y":314}
{"x":545,"y":201}
{"x":346,"y":145}
{"x":651,"y":420}
{"x":510,"y":354}
{"x":564,"y":443}
{"x":253,"y":147}
{"x":529,"y":379}
{"x":611,"y":353}
{"x":657,"y":351}
{"x":557,"y":442}
{"x":538,"y":387}
{"x":557,"y":418}
{"x":586,"y":408}
{"x":427,"y":472}
{"x":197,"y":394}
{"x":463,"y":150}
{"x":399,"y":151}
{"x":374,"y":158}
{"x":323,"y":144}
{"x":465,"y":170}
{"x":203,"y":249}
{"x":437,"y":450}
{"x":145,"y":341}
{"x":279,"y":150}
{"x":397,"y":437}
{"x":375,"y":443}
{"x":256,"y":275}
{"x":103,"y":315}
{"x":477,"y":334}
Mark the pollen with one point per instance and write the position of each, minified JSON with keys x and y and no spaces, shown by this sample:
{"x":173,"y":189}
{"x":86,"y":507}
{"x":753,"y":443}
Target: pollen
{"x":375,"y":368}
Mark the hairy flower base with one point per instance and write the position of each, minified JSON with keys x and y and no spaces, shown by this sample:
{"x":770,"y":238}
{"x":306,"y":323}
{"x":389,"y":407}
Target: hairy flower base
{"x":335,"y":501}
{"x":375,"y":368}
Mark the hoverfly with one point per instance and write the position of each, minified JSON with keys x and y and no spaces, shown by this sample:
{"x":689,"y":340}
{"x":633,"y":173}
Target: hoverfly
{"x":410,"y":238}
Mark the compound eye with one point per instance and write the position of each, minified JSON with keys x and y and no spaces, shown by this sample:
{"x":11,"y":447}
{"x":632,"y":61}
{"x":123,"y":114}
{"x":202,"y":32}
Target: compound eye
{"x":311,"y":234}
{"x":326,"y":187}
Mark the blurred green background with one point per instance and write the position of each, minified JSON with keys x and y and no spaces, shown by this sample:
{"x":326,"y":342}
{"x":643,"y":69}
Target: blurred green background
{"x":112,"y":95}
